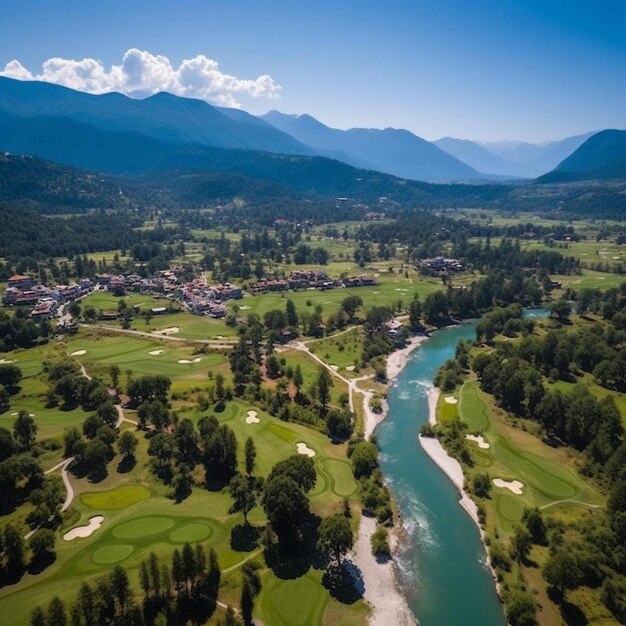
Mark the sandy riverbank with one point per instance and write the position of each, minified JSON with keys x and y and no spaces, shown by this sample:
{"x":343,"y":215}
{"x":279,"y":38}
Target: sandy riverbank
{"x":396,"y":362}
{"x":389,"y":606}
{"x":449,"y":466}
{"x":453,"y":470}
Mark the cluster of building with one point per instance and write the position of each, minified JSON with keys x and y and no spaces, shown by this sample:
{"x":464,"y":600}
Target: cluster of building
{"x":442,"y":264}
{"x":203,"y":299}
{"x":309,"y":279}
{"x":24,"y":291}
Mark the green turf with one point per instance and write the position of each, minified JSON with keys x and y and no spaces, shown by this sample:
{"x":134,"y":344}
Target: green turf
{"x":108,"y":555}
{"x":546,"y":473}
{"x":143,"y":527}
{"x":191,"y":533}
{"x":115,"y":499}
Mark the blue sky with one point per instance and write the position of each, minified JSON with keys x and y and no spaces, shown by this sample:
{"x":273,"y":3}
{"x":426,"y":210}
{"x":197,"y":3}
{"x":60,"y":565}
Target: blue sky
{"x":484,"y":69}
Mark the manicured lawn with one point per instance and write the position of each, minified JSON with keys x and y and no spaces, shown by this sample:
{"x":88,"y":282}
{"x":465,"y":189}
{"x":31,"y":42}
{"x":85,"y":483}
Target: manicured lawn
{"x":344,"y":350}
{"x":139,"y":519}
{"x":106,"y":301}
{"x":390,"y":290}
{"x":549,"y":475}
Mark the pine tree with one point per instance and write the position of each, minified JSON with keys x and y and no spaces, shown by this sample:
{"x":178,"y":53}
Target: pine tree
{"x":250,"y":455}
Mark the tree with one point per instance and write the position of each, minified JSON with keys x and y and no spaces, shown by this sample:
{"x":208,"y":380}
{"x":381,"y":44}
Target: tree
{"x":74,"y":309}
{"x":10,"y":375}
{"x":247,"y":602}
{"x":25,"y":430}
{"x":533,"y":520}
{"x":299,"y":468}
{"x":415,"y":314}
{"x":7,"y":444}
{"x":114,"y":373}
{"x":380,"y":543}
{"x":13,"y":552}
{"x":291,"y":317}
{"x":334,"y":538}
{"x":562,"y":571}
{"x":120,"y":587}
{"x":250,"y":454}
{"x":42,"y":544}
{"x":244,"y":491}
{"x":561,"y":309}
{"x":229,"y":618}
{"x":285,"y":505}
{"x":87,"y":602}
{"x":364,"y":459}
{"x":521,"y":543}
{"x":127,"y":444}
{"x":38,"y":617}
{"x":324,"y":383}
{"x":521,"y":608}
{"x":56,"y":615}
{"x":482,"y":485}
{"x":96,"y":456}
{"x":351,"y":305}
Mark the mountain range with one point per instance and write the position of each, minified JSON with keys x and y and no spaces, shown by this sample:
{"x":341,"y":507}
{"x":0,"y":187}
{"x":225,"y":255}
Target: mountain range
{"x":121,"y":135}
{"x":390,"y":150}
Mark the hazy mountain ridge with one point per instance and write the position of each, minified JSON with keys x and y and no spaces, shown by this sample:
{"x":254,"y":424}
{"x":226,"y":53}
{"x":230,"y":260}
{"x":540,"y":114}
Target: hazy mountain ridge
{"x":394,"y":151}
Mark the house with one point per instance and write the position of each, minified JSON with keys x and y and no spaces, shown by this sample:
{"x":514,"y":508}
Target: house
{"x":18,"y":281}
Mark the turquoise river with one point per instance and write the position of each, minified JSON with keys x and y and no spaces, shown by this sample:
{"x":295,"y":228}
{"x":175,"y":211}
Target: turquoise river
{"x":442,"y":562}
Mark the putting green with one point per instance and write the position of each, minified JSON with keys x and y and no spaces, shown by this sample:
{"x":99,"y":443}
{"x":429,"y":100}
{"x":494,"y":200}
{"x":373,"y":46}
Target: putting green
{"x":191,"y":532}
{"x":509,"y":507}
{"x":296,"y":602}
{"x":107,"y":555}
{"x":115,"y":499}
{"x":142,"y":527}
{"x":340,"y":472}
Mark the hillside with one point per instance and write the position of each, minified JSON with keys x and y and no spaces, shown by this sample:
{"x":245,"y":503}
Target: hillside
{"x":162,"y":116}
{"x":31,"y":183}
{"x":602,"y":156}
{"x":394,"y":151}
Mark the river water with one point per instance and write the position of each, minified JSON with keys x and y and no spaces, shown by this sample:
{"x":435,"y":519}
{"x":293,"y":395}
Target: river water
{"x":442,"y":561}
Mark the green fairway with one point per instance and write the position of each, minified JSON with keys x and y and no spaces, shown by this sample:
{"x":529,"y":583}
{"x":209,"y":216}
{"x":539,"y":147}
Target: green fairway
{"x":296,"y":602}
{"x":106,"y":301}
{"x":134,"y":353}
{"x":115,"y":499}
{"x":390,"y":290}
{"x":547,"y":474}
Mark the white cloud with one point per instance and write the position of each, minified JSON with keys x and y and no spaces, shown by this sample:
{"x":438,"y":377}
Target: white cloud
{"x":142,"y":73}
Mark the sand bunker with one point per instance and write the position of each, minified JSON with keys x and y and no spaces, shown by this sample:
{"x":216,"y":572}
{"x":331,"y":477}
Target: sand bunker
{"x":450,"y":399}
{"x":512,"y":485}
{"x":78,"y":352}
{"x":172,"y":330}
{"x":15,"y":413}
{"x":479,"y":439}
{"x":350,"y":368}
{"x":251,"y":418}
{"x":245,"y":307}
{"x":196,"y":360}
{"x":5,"y":361}
{"x":156,"y":352}
{"x":304,"y":449}
{"x":84,"y":531}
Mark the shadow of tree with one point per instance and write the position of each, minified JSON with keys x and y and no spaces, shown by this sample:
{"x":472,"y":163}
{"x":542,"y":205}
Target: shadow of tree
{"x":245,"y":538}
{"x":344,"y":582}
{"x":126,"y":464}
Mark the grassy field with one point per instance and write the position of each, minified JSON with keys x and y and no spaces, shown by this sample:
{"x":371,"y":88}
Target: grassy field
{"x":343,"y":350}
{"x":549,"y":475}
{"x":139,"y":518}
{"x":390,"y":290}
{"x":106,"y":301}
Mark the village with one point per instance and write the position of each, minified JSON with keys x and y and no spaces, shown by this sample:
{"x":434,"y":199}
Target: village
{"x":196,"y":296}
